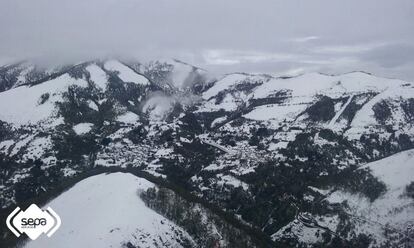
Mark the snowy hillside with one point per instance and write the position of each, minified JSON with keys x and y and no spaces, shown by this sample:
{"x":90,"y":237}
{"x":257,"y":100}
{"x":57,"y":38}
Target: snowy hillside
{"x":106,"y":211}
{"x":24,"y":105}
{"x":393,"y":210}
{"x":125,"y":74}
{"x":387,"y":218}
{"x":15,"y":75}
{"x":292,"y":160}
{"x":288,"y":99}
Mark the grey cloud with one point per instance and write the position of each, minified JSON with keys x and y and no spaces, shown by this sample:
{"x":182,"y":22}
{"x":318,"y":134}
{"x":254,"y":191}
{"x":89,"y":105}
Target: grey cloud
{"x":391,"y":56}
{"x":266,"y":35}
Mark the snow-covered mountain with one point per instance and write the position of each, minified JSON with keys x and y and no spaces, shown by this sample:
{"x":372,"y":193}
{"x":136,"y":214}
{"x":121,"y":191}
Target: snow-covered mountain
{"x":295,"y":161}
{"x":106,"y":211}
{"x":390,"y":213}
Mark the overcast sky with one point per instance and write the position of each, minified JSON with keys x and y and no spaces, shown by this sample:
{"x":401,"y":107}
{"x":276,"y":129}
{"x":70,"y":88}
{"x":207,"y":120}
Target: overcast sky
{"x":271,"y":36}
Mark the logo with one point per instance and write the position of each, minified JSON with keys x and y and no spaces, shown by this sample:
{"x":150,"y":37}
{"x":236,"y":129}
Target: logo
{"x":34,"y":221}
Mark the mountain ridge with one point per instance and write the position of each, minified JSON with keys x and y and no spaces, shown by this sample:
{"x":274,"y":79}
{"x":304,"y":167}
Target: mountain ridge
{"x":262,"y":148}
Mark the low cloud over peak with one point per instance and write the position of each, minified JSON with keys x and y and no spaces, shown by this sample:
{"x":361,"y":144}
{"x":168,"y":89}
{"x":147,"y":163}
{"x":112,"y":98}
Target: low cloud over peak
{"x":265,"y":36}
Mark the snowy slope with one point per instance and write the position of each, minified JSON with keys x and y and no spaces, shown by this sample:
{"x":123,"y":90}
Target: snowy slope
{"x":384,"y":219}
{"x":25,"y":104}
{"x":22,"y":77}
{"x":22,"y":105}
{"x":229,"y":128}
{"x":392,"y":211}
{"x":125,"y":73}
{"x":229,"y":81}
{"x":82,"y":128}
{"x":303,"y":88}
{"x":287,"y":99}
{"x":394,"y":95}
{"x":98,"y":76}
{"x":317,"y":83}
{"x":106,"y":211}
{"x":182,"y":74}
{"x":14,"y":75}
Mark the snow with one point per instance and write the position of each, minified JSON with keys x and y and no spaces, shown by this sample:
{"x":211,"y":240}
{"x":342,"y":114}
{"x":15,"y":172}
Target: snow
{"x":128,"y":118}
{"x":276,"y":112}
{"x":298,"y":230}
{"x":365,"y":116}
{"x":224,"y":83}
{"x":68,"y":172}
{"x":218,"y":121}
{"x":392,"y":210}
{"x":320,"y":191}
{"x":278,"y":145}
{"x":185,"y":140}
{"x":213,"y":167}
{"x":299,"y":93}
{"x":37,"y":148}
{"x":93,"y":105}
{"x":180,"y":73}
{"x":21,"y":79}
{"x":339,"y":113}
{"x":21,"y":144}
{"x":21,"y":106}
{"x":98,"y":76}
{"x":126,"y":74}
{"x":396,"y":171}
{"x":5,"y":145}
{"x":164,"y":152}
{"x":82,"y":128}
{"x":214,"y":144}
{"x":231,"y":180}
{"x":106,"y":211}
{"x":316,"y":83}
